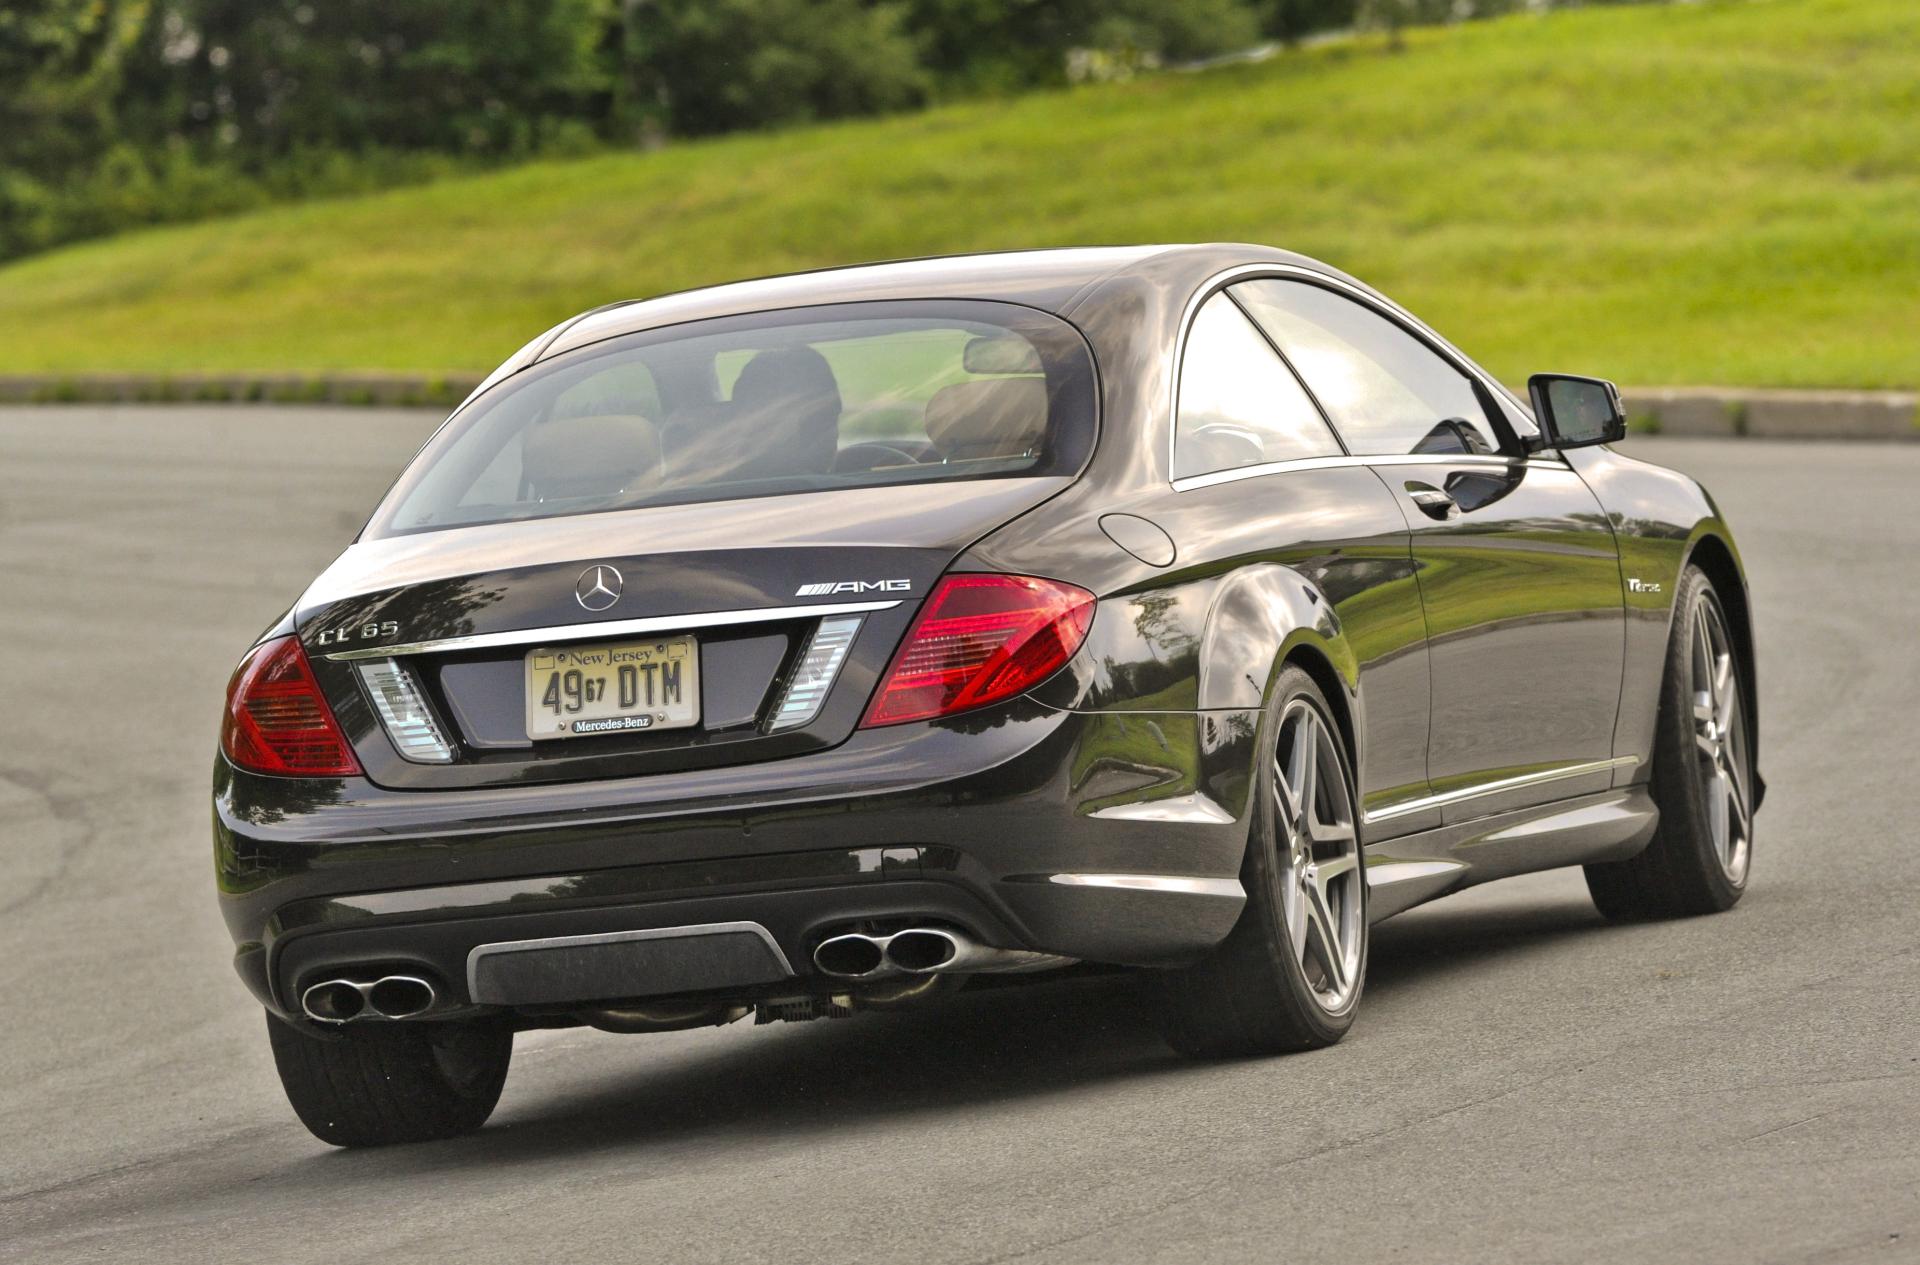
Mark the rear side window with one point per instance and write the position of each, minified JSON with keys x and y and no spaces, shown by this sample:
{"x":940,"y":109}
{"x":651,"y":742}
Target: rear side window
{"x":1239,"y":403}
{"x":1388,"y":393}
{"x":805,"y":400}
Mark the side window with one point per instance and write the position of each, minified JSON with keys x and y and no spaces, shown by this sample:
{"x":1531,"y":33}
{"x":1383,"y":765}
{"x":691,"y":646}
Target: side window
{"x":1387,"y":392}
{"x":1239,"y":404}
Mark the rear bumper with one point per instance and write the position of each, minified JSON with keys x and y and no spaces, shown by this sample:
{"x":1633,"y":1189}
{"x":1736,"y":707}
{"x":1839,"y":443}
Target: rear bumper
{"x":1108,"y":837}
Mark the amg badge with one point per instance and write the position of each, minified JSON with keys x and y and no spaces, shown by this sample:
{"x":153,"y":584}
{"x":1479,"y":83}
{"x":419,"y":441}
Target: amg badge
{"x":854,"y":586}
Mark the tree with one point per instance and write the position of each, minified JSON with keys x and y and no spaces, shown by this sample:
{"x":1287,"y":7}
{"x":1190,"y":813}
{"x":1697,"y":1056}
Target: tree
{"x":60,"y":62}
{"x":721,"y":65}
{"x":269,"y":77}
{"x":1006,"y":45}
{"x":1291,"y":19}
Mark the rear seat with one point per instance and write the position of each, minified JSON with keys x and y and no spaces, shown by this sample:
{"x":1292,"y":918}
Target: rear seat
{"x":601,"y":455}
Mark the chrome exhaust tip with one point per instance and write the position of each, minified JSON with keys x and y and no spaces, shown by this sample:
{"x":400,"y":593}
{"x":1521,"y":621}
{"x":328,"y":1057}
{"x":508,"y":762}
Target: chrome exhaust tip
{"x":400,"y":996}
{"x":923,"y":950}
{"x":333,"y":1001}
{"x":937,"y":950}
{"x":851,"y":956}
{"x":389,"y":997}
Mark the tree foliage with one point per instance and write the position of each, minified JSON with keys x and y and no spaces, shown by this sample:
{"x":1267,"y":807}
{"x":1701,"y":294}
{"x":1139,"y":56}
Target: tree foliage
{"x":722,"y":65}
{"x":269,"y":77}
{"x":1002,"y":45}
{"x":119,"y":112}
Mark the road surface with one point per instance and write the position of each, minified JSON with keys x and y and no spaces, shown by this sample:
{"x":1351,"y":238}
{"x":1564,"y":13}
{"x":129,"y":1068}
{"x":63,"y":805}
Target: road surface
{"x":1525,"y":1082}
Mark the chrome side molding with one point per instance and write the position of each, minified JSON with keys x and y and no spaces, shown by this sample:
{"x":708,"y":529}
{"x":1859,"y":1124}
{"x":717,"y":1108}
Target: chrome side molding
{"x":1501,"y":784}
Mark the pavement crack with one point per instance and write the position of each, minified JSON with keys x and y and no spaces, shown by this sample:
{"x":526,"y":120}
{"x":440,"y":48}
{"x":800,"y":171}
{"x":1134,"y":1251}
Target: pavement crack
{"x":1781,"y":1128}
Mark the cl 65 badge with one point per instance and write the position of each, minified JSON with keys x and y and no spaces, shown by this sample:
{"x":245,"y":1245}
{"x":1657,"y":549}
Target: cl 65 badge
{"x":358,"y":632}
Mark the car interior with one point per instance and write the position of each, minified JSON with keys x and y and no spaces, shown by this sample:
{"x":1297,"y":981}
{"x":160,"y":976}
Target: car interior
{"x":780,"y":421}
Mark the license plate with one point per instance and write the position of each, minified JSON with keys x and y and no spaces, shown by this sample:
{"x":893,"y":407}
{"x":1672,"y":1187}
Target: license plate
{"x":613,"y":687}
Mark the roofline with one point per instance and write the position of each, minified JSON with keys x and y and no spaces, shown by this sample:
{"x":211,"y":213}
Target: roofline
{"x":1154,"y":249}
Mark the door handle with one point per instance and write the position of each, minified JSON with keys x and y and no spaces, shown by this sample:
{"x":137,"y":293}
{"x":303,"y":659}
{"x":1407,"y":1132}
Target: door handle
{"x":1432,"y":501}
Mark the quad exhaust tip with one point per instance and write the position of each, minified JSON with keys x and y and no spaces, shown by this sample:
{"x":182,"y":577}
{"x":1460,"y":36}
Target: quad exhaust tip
{"x":389,"y":997}
{"x":851,"y":956}
{"x":922,"y":951}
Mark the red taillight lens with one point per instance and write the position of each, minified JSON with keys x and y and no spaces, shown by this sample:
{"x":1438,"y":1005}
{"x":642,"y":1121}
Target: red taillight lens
{"x":978,"y":640}
{"x":277,"y":720}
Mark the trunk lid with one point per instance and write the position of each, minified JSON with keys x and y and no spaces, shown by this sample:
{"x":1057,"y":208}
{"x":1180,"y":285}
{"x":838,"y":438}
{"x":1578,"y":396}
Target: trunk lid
{"x":749,"y":581}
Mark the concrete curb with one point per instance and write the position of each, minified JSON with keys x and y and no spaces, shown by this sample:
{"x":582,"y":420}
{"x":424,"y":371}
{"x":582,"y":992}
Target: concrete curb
{"x":1726,"y":413}
{"x":361,"y":389}
{"x":1709,"y":412}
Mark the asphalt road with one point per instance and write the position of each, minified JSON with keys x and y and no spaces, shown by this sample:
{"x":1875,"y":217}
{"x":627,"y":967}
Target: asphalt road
{"x":1525,"y":1083}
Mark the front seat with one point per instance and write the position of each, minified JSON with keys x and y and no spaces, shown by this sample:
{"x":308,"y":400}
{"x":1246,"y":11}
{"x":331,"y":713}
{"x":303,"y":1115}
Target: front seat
{"x":989,"y":417}
{"x":784,"y":418}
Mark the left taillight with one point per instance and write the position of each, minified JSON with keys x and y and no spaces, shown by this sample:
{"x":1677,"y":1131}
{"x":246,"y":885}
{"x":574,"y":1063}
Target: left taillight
{"x":980,"y":639}
{"x":277,"y":720}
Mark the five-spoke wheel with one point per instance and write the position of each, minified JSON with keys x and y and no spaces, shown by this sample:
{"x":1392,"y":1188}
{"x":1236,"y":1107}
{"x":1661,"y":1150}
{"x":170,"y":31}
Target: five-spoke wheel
{"x":1721,"y":738}
{"x":1703,"y":779}
{"x":1318,"y":850}
{"x":1289,"y":975}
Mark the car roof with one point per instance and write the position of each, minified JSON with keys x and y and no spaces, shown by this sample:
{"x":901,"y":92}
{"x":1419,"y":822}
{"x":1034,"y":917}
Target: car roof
{"x":1051,"y":280}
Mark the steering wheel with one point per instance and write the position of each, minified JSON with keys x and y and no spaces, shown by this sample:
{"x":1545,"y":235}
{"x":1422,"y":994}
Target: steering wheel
{"x":859,"y":457}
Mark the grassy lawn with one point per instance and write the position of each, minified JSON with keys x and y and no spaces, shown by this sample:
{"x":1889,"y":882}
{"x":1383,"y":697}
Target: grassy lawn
{"x":1722,"y":193}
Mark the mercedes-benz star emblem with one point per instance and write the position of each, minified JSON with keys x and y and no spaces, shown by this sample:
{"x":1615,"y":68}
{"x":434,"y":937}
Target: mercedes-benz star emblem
{"x":597,"y":588}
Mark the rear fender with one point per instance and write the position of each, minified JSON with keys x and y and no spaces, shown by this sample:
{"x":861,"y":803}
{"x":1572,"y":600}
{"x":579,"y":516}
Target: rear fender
{"x":1259,"y":616}
{"x":1196,"y":664}
{"x":1262,"y":618}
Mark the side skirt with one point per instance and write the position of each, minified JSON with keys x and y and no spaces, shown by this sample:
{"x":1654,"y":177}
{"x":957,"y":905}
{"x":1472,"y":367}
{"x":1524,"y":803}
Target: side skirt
{"x":1413,"y":869}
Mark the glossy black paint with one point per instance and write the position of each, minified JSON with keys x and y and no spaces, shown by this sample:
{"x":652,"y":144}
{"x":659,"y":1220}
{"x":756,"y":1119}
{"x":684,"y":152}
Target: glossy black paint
{"x":1500,"y":639}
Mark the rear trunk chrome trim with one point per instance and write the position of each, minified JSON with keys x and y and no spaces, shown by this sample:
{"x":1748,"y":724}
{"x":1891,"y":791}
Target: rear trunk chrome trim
{"x":614,"y":628}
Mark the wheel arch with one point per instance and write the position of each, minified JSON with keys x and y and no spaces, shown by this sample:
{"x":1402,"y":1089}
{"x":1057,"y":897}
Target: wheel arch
{"x":1264,"y":618}
{"x":1312,"y":660}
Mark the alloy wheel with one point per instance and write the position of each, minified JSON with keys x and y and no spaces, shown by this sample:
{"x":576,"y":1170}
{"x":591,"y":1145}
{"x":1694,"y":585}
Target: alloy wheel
{"x":1720,"y":740}
{"x":1318,"y":851}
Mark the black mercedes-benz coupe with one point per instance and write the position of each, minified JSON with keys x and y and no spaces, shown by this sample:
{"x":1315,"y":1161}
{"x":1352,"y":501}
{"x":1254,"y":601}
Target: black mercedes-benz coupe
{"x":811,"y":645}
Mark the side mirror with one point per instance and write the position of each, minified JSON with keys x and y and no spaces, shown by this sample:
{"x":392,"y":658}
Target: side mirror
{"x":1577,"y":412}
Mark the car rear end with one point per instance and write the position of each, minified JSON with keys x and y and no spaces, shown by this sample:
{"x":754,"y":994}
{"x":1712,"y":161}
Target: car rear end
{"x":662,"y":667}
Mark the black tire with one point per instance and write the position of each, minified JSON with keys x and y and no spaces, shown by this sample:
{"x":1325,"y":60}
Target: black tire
{"x":1254,"y":994}
{"x":380,"y":1084}
{"x":1689,"y":868}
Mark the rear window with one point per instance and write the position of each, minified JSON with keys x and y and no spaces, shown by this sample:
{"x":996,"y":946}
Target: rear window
{"x":805,"y":400}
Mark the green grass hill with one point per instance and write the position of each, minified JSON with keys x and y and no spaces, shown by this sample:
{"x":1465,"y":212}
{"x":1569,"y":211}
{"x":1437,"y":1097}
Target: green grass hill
{"x":1718,"y":193}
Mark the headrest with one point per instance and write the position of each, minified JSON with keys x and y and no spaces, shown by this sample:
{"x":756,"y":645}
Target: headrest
{"x":794,"y":377}
{"x":591,"y":456}
{"x":783,"y":420}
{"x":992,"y":417}
{"x":1000,"y":353}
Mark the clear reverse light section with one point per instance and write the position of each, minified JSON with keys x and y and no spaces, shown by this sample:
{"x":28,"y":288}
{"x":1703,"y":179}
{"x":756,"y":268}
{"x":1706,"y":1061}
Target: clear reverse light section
{"x":807,"y":691}
{"x":409,"y":722}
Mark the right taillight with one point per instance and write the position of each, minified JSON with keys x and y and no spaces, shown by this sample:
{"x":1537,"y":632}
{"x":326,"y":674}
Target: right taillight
{"x":277,"y":720}
{"x":978,"y":640}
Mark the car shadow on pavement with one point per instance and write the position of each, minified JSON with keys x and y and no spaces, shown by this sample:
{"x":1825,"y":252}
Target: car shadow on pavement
{"x":1430,"y":946}
{"x":987,"y":1046}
